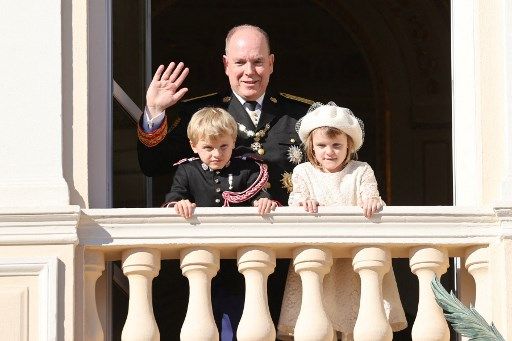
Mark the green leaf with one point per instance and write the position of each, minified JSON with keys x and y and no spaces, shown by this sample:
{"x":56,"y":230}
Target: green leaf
{"x":466,"y":321}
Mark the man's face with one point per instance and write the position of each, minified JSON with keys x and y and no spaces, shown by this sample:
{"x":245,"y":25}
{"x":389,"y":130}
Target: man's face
{"x":248,"y":64}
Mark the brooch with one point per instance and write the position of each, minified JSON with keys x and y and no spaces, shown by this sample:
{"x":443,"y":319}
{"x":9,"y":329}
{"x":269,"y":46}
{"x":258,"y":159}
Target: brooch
{"x":294,"y":155}
{"x":286,"y":181}
{"x":226,"y":99}
{"x":257,"y":136}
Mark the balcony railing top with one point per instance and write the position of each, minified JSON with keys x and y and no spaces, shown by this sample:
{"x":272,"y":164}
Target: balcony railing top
{"x":288,"y":227}
{"x":342,"y":227}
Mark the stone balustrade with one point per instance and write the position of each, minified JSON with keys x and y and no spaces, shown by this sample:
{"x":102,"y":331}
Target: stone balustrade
{"x":428,"y":236}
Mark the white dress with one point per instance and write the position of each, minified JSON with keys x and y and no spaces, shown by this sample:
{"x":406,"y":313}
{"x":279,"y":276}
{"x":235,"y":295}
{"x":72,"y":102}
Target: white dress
{"x":347,"y":187}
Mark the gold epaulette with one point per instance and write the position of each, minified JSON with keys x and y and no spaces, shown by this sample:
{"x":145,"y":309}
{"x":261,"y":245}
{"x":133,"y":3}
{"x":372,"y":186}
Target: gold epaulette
{"x":199,"y":97}
{"x":297,"y":98}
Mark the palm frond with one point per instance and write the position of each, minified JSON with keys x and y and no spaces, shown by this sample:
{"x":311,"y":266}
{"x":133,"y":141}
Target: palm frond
{"x":466,"y":321}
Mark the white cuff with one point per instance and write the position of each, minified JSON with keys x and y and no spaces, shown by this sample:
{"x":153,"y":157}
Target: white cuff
{"x":151,"y":124}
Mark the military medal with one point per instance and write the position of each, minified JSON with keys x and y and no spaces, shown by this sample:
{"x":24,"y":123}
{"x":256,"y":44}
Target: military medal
{"x":257,"y":136}
{"x":286,"y":181}
{"x":294,"y":154}
{"x":230,"y":181}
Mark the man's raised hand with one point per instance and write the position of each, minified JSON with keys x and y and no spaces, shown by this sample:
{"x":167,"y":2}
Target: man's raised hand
{"x":164,"y":90}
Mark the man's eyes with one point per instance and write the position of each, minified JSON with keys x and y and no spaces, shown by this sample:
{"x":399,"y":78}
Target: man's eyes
{"x":258,"y":62}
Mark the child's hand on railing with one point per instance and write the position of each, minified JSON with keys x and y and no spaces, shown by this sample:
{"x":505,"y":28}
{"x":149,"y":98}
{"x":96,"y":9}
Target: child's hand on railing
{"x":185,"y":208}
{"x":265,"y":205}
{"x":310,"y":205}
{"x":371,"y":206}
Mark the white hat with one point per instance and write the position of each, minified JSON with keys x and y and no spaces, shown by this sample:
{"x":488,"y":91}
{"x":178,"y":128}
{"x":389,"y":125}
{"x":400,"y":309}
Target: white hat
{"x":330,"y":115}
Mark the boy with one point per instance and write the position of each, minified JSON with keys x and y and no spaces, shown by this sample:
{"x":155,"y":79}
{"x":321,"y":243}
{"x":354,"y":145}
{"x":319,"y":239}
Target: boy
{"x":217,"y":179}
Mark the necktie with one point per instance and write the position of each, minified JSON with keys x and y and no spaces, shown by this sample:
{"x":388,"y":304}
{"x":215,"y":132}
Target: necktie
{"x":253,"y":114}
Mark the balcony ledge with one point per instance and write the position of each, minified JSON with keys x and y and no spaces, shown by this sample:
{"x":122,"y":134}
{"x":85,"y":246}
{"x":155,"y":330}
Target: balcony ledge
{"x":340,"y":228}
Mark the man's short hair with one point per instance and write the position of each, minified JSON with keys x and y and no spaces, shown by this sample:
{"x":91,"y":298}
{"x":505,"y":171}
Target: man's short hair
{"x":246,"y":26}
{"x":211,"y":123}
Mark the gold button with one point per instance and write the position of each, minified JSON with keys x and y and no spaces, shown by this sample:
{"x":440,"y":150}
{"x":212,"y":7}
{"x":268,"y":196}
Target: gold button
{"x":292,"y":140}
{"x":217,"y":190}
{"x":217,"y":201}
{"x":216,"y":181}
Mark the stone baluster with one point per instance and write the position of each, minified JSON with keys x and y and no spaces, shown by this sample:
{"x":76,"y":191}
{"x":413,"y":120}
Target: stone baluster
{"x":477,"y":263}
{"x":93,"y":268}
{"x":427,"y":262}
{"x":256,"y":264}
{"x":371,"y":263}
{"x":312,"y":264}
{"x":140,"y":265}
{"x":199,"y":265}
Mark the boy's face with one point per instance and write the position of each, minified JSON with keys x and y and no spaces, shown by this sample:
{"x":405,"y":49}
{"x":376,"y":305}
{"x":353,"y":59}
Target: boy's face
{"x":214,"y":153}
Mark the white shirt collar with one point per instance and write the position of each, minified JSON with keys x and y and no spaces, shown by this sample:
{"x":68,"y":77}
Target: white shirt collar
{"x":259,"y":100}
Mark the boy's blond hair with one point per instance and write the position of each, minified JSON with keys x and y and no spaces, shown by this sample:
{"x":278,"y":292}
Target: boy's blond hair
{"x":211,"y":123}
{"x":330,"y":132}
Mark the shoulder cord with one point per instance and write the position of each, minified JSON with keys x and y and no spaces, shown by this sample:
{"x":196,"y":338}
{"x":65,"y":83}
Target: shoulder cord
{"x":238,"y":197}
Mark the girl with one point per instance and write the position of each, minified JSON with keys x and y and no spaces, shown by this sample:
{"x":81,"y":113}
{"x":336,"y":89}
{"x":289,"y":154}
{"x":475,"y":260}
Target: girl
{"x":332,"y":136}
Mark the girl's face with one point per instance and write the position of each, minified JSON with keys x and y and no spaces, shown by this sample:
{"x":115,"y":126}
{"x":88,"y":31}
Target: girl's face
{"x":330,"y":152}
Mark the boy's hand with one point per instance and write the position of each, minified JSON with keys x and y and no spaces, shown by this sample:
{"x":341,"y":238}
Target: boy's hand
{"x":310,"y":205}
{"x":265,"y":205}
{"x":185,"y":208}
{"x":371,"y":206}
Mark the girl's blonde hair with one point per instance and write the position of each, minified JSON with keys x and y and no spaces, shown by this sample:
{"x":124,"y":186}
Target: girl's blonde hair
{"x":211,"y":123}
{"x":330,"y":132}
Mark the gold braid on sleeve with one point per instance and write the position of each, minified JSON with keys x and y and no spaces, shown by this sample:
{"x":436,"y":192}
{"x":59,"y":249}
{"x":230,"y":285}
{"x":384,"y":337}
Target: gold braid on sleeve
{"x":155,"y":137}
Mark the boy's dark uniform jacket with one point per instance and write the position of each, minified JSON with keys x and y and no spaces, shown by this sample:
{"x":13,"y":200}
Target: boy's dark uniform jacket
{"x":196,"y":182}
{"x":159,"y":150}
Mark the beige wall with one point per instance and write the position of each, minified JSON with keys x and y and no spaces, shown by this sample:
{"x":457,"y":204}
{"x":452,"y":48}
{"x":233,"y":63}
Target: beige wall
{"x":14,"y":284}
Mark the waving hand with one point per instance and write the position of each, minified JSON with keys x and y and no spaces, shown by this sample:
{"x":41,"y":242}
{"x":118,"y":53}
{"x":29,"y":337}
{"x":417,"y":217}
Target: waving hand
{"x":164,"y":90}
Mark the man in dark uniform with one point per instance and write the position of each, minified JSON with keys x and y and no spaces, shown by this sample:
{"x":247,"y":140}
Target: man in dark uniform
{"x":266,"y":122}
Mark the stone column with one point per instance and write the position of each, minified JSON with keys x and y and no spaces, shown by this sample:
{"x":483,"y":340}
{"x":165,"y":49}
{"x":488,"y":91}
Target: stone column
{"x":477,"y":263}
{"x":199,"y":265}
{"x":427,"y":262}
{"x":141,"y":265}
{"x":312,"y":264}
{"x":371,"y":263}
{"x":256,"y":264}
{"x":93,"y":268}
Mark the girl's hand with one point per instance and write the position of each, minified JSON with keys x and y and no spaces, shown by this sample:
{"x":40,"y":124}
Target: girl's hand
{"x":371,"y":206}
{"x":310,"y":205}
{"x":185,"y":208}
{"x":265,"y":205}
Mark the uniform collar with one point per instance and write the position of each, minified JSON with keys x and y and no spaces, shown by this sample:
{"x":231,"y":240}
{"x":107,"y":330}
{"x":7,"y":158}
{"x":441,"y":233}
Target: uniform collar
{"x":242,"y":101}
{"x":207,"y":168}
